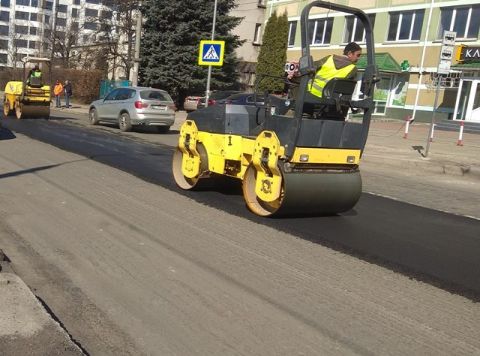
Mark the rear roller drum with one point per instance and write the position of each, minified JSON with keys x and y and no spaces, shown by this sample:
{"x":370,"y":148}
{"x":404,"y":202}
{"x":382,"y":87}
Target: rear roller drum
{"x":307,"y":193}
{"x":186,"y":182}
{"x":6,"y":109}
{"x":31,"y":111}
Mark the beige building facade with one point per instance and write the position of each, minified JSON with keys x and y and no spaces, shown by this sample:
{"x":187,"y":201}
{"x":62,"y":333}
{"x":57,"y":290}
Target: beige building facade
{"x":250,"y":30}
{"x":408,"y":38}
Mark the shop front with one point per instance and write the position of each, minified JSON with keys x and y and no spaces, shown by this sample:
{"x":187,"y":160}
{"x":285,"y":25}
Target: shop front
{"x":391,"y":89}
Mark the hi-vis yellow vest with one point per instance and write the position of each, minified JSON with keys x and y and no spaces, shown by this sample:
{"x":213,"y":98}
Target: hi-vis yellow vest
{"x":325,"y":73}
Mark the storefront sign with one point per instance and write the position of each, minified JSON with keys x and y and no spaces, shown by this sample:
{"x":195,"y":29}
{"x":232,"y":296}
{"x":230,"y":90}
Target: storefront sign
{"x":467,"y":53}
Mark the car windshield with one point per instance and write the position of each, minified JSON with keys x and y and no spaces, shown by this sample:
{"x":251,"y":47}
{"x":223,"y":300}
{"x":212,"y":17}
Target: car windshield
{"x":155,"y":95}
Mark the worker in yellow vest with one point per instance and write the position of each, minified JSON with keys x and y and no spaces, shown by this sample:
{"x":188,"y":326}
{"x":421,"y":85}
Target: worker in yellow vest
{"x":329,"y":67}
{"x":333,"y":66}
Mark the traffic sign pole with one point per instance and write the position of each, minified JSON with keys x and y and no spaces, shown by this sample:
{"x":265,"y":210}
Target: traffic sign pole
{"x":209,"y":75}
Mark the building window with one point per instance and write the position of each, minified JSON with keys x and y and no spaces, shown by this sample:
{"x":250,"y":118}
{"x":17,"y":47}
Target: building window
{"x":76,"y":2}
{"x":91,"y":13}
{"x":74,"y":12}
{"x":354,"y":29}
{"x":61,"y":22}
{"x":20,"y":15}
{"x":23,"y":2}
{"x":292,"y":30}
{"x":90,"y":26}
{"x":34,"y":3}
{"x":4,"y":30}
{"x":33,"y":30}
{"x":21,"y":43}
{"x":3,"y":58}
{"x":4,"y":44}
{"x":405,"y":26}
{"x":320,"y":31}
{"x":256,"y":36}
{"x":21,"y":30}
{"x":465,"y":21}
{"x":33,"y":17}
{"x":32,"y":44}
{"x":5,"y":3}
{"x":62,"y":8}
{"x":4,"y":16}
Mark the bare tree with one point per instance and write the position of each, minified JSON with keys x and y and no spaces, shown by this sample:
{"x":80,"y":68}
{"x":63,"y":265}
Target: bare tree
{"x":117,"y":33}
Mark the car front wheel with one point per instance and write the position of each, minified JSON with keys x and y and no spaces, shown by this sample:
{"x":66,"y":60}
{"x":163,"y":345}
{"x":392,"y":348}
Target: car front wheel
{"x":124,"y":122}
{"x":93,"y":116}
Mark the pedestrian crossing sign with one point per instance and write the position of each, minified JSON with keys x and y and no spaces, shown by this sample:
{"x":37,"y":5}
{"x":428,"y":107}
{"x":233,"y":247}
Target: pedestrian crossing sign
{"x":211,"y":53}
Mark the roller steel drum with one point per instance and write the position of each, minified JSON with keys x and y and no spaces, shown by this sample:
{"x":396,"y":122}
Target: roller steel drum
{"x":23,"y":111}
{"x":307,"y":193}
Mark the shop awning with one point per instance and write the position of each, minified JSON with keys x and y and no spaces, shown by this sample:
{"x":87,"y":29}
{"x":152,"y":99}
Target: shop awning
{"x":468,"y":66}
{"x":385,"y":63}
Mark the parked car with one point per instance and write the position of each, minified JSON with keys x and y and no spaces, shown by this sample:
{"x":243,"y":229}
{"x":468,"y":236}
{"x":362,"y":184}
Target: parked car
{"x":216,"y":97}
{"x":190,"y":103}
{"x":135,"y":106}
{"x":245,"y":99}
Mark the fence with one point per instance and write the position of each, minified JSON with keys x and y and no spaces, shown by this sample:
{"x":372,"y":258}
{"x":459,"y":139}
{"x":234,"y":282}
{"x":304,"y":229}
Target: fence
{"x":106,"y":86}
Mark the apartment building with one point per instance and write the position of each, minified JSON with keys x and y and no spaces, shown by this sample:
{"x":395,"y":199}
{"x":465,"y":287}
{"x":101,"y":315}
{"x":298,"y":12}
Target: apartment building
{"x":33,"y":27}
{"x":408,"y":37}
{"x":250,"y":30}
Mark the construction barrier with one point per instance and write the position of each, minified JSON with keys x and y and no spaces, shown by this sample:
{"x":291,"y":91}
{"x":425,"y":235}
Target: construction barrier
{"x":431,"y":133}
{"x":408,"y":120}
{"x":460,"y":135}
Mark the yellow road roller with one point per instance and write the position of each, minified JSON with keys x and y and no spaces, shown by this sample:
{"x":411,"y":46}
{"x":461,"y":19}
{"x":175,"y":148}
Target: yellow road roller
{"x":31,"y":97}
{"x":290,"y":163}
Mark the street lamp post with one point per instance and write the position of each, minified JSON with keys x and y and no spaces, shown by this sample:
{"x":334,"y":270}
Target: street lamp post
{"x":138,"y":34}
{"x":209,"y":75}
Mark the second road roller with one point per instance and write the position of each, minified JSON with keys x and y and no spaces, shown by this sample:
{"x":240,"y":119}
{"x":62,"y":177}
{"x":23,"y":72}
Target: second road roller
{"x":31,"y":96}
{"x":290,"y":163}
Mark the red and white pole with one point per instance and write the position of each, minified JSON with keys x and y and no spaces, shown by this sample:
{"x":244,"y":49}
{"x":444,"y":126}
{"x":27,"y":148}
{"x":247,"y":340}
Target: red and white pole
{"x":408,"y":118}
{"x":431,"y":133}
{"x":460,"y":135}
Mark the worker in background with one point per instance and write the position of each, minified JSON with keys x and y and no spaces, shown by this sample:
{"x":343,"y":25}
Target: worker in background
{"x":329,"y":67}
{"x":58,"y":91}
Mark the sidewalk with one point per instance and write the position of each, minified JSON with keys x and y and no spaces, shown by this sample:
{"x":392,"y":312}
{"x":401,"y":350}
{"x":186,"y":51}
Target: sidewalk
{"x":386,"y":145}
{"x":25,"y":326}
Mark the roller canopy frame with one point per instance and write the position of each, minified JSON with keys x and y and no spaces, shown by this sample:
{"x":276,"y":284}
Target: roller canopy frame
{"x":307,"y":70}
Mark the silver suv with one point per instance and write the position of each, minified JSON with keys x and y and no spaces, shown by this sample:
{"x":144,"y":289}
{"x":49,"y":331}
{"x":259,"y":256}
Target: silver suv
{"x":135,"y":106}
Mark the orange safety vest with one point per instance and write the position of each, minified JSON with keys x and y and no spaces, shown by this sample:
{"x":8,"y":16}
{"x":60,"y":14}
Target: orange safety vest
{"x":58,"y":89}
{"x":325,"y":73}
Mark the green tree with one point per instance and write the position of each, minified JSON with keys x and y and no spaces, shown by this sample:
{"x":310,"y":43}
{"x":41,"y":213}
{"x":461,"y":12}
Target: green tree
{"x":273,"y":54}
{"x":170,"y":45}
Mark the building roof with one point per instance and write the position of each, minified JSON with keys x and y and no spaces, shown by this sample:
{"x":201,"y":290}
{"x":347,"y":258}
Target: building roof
{"x":384,"y":61}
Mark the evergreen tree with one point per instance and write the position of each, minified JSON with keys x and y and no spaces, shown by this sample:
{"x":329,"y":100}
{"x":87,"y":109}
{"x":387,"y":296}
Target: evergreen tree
{"x":273,"y":53}
{"x":171,"y":40}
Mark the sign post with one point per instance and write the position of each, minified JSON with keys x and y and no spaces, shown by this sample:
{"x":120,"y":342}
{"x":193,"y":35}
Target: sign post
{"x":209,"y":75}
{"x":446,"y":56}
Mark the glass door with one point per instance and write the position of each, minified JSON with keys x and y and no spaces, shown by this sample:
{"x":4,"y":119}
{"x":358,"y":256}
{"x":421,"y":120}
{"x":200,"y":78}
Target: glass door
{"x":381,"y":95}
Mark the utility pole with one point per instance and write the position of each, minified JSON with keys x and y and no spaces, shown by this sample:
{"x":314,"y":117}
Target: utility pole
{"x":138,"y":34}
{"x":209,"y":75}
